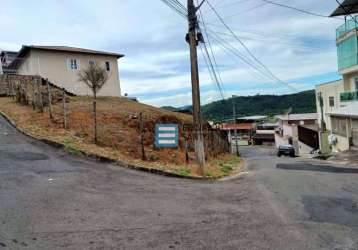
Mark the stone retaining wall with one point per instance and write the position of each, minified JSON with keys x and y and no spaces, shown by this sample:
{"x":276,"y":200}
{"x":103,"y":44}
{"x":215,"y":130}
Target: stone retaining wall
{"x":30,"y":89}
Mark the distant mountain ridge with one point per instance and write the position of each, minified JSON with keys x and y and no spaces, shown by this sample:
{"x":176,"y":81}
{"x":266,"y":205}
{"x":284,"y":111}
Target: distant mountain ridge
{"x":302,"y":102}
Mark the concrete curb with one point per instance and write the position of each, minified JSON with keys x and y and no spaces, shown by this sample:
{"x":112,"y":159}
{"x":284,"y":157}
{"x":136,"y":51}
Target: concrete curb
{"x":238,"y":175}
{"x":105,"y":159}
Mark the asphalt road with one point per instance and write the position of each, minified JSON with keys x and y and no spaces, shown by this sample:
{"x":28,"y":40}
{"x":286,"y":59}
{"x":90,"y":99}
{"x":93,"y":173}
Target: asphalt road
{"x":49,"y":200}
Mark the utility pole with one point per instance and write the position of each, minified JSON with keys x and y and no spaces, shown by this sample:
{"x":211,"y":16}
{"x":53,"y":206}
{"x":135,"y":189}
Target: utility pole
{"x":235,"y":131}
{"x":323,"y":123}
{"x":197,"y":122}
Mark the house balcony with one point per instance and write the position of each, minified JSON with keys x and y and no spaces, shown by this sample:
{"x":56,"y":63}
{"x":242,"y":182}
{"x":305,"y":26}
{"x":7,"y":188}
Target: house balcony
{"x":348,"y":26}
{"x":349,"y":96}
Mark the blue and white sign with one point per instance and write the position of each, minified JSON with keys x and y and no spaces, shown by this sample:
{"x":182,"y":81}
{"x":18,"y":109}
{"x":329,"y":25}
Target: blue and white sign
{"x":166,"y":135}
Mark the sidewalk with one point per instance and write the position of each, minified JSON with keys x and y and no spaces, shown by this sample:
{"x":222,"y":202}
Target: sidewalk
{"x":346,"y":158}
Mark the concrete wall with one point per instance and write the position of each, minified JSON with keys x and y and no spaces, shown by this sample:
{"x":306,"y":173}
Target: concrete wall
{"x":349,"y":81}
{"x":342,"y":144}
{"x":303,"y":149}
{"x":331,"y":89}
{"x":55,"y":66}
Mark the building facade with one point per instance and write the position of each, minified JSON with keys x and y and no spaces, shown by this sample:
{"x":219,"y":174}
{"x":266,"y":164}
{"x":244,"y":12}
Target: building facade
{"x":61,"y":65}
{"x":337,"y":101}
{"x":288,"y":131}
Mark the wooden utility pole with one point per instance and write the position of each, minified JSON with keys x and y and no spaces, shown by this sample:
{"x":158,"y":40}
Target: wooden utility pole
{"x":197,"y":122}
{"x":235,"y":128}
{"x":323,"y":123}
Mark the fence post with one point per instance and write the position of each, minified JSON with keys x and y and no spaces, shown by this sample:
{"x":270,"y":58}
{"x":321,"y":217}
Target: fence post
{"x":33,"y":94}
{"x":49,"y":99}
{"x":186,"y":147}
{"x":64,"y":108}
{"x":8,"y":88}
{"x":39,"y":87}
{"x":141,"y":128}
{"x":12,"y":90}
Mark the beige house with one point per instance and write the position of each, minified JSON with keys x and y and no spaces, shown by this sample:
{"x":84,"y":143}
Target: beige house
{"x":61,"y":65}
{"x":337,"y":107}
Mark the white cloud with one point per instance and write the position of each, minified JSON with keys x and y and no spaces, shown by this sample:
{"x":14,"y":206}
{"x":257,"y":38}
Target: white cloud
{"x":156,"y":67}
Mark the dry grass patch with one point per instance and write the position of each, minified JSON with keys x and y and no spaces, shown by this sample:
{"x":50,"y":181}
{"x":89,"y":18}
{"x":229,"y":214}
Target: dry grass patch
{"x":119,"y":137}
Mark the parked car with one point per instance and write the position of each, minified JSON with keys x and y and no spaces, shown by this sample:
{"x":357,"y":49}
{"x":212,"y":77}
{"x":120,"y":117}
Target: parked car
{"x":286,"y":150}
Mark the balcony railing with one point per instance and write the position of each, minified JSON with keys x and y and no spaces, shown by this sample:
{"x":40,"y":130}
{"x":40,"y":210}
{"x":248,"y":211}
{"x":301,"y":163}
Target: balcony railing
{"x":347,"y":26}
{"x":349,"y":96}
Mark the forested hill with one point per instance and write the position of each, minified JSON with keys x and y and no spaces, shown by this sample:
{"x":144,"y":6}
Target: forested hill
{"x":303,"y":102}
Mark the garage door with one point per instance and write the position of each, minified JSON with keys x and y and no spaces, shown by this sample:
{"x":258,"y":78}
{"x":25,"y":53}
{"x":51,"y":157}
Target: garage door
{"x":355,"y":132}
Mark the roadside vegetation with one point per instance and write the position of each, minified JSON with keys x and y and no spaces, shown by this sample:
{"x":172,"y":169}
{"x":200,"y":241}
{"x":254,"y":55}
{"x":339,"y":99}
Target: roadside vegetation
{"x":118,"y":133}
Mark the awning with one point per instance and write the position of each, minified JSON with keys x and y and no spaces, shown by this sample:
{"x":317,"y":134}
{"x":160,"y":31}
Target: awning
{"x":347,"y":7}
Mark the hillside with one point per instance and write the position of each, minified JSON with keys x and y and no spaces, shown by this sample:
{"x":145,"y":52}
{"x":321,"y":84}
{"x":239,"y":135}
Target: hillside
{"x":119,"y":136}
{"x":303,"y":102}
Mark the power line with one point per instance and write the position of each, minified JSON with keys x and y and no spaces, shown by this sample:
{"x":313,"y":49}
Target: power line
{"x":177,"y":7}
{"x":265,"y":35}
{"x":289,"y":45}
{"x":247,"y":49}
{"x":215,"y":69}
{"x":232,"y":3}
{"x":211,"y":71}
{"x":297,"y":9}
{"x":347,"y":12}
{"x":246,"y":11}
{"x":233,"y":51}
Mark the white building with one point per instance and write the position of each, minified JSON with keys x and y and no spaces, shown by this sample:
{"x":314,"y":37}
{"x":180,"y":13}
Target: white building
{"x":337,"y":101}
{"x":288,"y":130}
{"x":61,"y":65}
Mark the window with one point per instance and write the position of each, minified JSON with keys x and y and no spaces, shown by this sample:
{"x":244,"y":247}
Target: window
{"x":356,"y":83}
{"x":108,"y":66}
{"x":91,"y":62}
{"x":73,"y":64}
{"x":331,"y":101}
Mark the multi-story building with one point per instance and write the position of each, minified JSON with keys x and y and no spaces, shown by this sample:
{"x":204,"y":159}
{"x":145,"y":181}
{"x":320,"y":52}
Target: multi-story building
{"x":337,"y":102}
{"x":61,"y":66}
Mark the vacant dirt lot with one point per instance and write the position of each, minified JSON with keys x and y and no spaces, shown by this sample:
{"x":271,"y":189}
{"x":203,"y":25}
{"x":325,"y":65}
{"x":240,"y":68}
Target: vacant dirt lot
{"x":119,"y":136}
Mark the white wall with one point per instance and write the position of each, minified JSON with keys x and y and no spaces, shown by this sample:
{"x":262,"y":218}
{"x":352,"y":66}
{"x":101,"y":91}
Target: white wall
{"x":342,"y":144}
{"x":329,"y":89}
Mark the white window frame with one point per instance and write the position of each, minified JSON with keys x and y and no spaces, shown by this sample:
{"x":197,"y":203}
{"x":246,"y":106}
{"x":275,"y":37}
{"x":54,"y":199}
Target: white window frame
{"x":70,"y":64}
{"x":91,"y":61}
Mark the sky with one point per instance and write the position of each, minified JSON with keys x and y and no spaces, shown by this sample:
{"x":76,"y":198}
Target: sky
{"x":299,"y":49}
